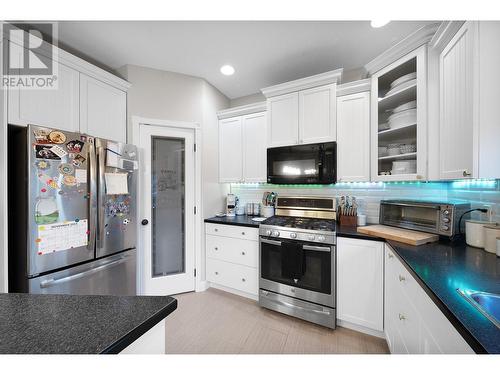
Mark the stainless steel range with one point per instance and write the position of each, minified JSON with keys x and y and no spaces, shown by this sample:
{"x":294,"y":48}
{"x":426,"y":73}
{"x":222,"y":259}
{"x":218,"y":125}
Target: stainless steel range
{"x":297,"y":259}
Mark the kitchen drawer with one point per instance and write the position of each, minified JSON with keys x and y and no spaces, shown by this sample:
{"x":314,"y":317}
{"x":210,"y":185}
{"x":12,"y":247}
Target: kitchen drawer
{"x":234,"y":231}
{"x":232,"y":275}
{"x":233,"y":250}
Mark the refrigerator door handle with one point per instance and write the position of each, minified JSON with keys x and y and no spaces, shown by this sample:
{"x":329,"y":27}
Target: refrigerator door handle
{"x":50,"y":282}
{"x":101,"y":158}
{"x":92,"y":198}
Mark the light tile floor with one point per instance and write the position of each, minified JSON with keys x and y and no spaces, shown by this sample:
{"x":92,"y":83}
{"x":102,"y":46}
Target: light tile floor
{"x":216,"y":322}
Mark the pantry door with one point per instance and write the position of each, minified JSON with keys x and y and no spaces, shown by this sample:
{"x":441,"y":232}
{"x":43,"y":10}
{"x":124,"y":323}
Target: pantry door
{"x":167,"y":208}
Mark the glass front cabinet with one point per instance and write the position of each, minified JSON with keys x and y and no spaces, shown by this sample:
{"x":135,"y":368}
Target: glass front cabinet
{"x":399,"y":119}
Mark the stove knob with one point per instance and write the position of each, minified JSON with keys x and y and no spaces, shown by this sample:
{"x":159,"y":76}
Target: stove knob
{"x":446,"y":220}
{"x":321,"y":238}
{"x":275,"y":233}
{"x":311,"y":237}
{"x":445,"y":228}
{"x":446,"y":212}
{"x":268,"y":232}
{"x":293,"y":235}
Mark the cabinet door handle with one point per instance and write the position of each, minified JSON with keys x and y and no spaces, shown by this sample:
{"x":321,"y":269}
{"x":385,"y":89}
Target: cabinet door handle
{"x":401,"y":317}
{"x":242,"y":253}
{"x":466,"y":173}
{"x":216,"y":272}
{"x":216,"y":248}
{"x":401,"y":278}
{"x":216,"y":230}
{"x":243,"y":233}
{"x":243,"y":280}
{"x":391,"y":256}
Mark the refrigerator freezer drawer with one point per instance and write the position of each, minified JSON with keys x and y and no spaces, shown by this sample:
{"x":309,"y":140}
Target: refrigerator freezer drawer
{"x":113,"y":275}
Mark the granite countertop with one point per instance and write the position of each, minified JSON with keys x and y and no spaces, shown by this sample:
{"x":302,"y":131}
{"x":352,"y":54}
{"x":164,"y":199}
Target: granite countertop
{"x":240,"y":220}
{"x":63,"y":324}
{"x":442,"y":267}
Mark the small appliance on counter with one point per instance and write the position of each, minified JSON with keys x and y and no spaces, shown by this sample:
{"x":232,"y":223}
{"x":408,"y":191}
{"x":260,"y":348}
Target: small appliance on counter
{"x":231,"y":205}
{"x":437,"y":217}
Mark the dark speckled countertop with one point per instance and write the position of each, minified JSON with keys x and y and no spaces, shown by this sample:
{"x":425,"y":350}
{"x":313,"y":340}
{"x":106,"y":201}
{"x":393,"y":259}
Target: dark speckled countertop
{"x":33,"y":324}
{"x":240,"y":220}
{"x":442,"y":267}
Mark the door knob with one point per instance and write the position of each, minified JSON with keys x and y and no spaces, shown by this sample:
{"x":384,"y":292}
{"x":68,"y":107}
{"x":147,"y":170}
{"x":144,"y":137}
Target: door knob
{"x":144,"y":222}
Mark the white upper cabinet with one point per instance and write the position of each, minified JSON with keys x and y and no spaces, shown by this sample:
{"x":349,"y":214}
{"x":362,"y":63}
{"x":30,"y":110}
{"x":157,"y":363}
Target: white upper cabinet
{"x":254,"y":147}
{"x":457,"y":119}
{"x":360,"y":282}
{"x":353,"y":137}
{"x":55,"y":108}
{"x":283,"y":118}
{"x":399,"y":119}
{"x":317,"y":114}
{"x":103,"y":110}
{"x":230,"y":150}
{"x":302,"y":111}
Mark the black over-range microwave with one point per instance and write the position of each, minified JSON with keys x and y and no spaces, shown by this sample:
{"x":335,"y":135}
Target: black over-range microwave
{"x":302,"y":164}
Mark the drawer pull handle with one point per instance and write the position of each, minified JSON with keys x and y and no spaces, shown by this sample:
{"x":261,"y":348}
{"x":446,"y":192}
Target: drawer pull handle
{"x":243,"y":233}
{"x":242,"y":253}
{"x":401,"y":317}
{"x":243,"y":280}
{"x":216,"y":248}
{"x":401,"y":278}
{"x":216,"y":230}
{"x":391,"y":256}
{"x":216,"y":272}
{"x":466,"y":173}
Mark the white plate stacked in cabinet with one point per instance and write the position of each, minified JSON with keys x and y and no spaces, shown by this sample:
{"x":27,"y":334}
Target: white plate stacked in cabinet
{"x":233,"y":258}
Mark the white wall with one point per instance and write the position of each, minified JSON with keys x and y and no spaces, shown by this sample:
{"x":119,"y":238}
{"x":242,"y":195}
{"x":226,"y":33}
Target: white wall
{"x":171,"y":96}
{"x":249,"y":99}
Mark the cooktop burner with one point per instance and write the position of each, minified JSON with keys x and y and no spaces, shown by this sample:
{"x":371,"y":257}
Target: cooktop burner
{"x":301,"y":223}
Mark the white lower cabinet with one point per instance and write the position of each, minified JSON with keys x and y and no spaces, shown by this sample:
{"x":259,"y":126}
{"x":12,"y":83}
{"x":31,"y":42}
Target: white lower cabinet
{"x":233,"y":258}
{"x":412,"y":322}
{"x":360,"y":282}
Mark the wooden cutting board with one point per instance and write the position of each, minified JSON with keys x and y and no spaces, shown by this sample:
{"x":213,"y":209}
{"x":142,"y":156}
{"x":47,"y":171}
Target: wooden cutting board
{"x":410,"y":237}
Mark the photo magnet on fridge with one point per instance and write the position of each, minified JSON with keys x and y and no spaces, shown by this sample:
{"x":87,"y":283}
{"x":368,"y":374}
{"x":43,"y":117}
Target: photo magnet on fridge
{"x":57,"y":137}
{"x":45,"y":152}
{"x":78,"y":160}
{"x":75,"y":146}
{"x":42,"y":136}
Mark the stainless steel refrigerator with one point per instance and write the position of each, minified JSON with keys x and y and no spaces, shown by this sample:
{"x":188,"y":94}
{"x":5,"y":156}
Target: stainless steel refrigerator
{"x":72,"y":213}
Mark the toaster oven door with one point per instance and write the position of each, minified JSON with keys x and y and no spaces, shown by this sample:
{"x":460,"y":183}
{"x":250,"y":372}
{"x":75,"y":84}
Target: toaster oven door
{"x":424,"y":218}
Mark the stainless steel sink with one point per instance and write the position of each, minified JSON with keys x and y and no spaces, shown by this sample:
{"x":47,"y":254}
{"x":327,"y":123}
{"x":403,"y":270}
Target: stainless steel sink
{"x":487,"y":303}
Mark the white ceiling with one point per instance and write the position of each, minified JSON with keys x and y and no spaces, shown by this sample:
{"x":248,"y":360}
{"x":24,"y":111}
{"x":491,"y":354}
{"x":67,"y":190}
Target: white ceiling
{"x":263,"y":53}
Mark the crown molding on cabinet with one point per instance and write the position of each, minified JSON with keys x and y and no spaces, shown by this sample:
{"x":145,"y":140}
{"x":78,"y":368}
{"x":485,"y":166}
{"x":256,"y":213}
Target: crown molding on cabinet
{"x":445,"y":32}
{"x":72,"y":61}
{"x":242,"y":110}
{"x":326,"y":78}
{"x":408,"y":44}
{"x":354,"y":87}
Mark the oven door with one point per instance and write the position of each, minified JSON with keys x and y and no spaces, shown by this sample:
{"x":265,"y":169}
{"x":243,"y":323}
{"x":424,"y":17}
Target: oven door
{"x":298,"y":269}
{"x":304,"y":164}
{"x":424,"y":218}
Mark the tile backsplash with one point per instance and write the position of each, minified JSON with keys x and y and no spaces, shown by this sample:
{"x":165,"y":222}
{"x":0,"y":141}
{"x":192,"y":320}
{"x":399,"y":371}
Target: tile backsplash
{"x":478,"y":192}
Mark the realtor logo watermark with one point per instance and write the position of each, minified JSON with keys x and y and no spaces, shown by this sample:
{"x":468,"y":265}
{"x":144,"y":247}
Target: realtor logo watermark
{"x":29,"y":55}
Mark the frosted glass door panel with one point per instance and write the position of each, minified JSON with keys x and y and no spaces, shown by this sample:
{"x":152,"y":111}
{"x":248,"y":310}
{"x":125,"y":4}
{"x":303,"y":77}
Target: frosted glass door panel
{"x":168,"y":206}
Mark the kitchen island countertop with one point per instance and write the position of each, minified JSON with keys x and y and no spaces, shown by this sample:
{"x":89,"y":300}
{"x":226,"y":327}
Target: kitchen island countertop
{"x":64,"y":324}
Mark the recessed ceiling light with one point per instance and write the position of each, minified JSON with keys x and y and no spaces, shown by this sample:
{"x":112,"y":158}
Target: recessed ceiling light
{"x":379,"y":23}
{"x":227,"y":70}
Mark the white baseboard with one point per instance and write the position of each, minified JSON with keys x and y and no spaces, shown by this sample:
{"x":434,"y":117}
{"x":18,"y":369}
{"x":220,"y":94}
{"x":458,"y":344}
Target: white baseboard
{"x":255,"y":297}
{"x":356,"y":327}
{"x":201,"y":286}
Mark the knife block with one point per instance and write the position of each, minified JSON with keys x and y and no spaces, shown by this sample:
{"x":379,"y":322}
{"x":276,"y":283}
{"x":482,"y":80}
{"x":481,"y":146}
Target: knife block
{"x":348,"y":221}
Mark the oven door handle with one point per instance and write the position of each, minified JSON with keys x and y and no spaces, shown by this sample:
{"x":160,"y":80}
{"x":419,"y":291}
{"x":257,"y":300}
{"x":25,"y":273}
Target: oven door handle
{"x":317,"y":248}
{"x":271,"y":242}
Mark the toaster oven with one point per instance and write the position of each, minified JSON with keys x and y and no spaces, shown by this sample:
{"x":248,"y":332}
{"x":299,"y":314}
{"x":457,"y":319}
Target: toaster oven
{"x":436,"y":217}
